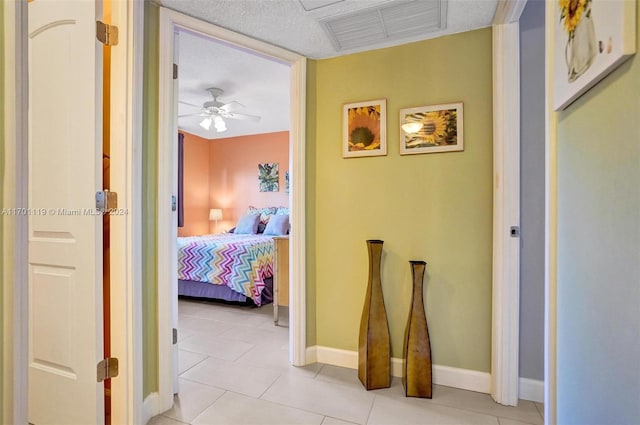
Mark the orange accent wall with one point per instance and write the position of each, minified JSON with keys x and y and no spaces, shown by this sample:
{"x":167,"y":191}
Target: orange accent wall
{"x":223,"y":173}
{"x":234,"y":174}
{"x":196,"y":186}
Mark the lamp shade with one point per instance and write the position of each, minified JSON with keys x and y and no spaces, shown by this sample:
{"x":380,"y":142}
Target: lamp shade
{"x":215,"y":214}
{"x":221,"y":126}
{"x":206,"y":123}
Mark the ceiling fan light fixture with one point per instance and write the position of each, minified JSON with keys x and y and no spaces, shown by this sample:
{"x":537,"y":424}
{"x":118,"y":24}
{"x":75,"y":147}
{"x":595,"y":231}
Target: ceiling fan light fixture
{"x":206,"y":123}
{"x":220,"y":124}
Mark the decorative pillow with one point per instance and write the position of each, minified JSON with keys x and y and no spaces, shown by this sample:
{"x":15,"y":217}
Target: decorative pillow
{"x":282,"y":211}
{"x":248,"y":224}
{"x":265,"y":213}
{"x":261,"y":227}
{"x":278,"y":225}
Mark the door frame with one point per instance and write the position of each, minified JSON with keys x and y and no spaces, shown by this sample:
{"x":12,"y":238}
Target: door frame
{"x":505,"y":329}
{"x":14,"y":246}
{"x":170,"y":21}
{"x":126,"y":231}
{"x":126,"y":105}
{"x":505,"y":348}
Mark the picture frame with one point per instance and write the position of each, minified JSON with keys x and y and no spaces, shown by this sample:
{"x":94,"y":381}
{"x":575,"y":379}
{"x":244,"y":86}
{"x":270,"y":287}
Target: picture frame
{"x":591,"y":38}
{"x":431,"y":129}
{"x":364,"y":129}
{"x":268,"y":177}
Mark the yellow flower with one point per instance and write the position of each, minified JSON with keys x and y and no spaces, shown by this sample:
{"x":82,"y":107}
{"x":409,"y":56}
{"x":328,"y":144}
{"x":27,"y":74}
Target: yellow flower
{"x":434,"y":127}
{"x":364,"y":128}
{"x":571,"y":13}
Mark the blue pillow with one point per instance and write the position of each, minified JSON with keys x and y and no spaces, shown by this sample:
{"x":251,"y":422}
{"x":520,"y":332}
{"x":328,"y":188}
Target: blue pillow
{"x":278,"y":225}
{"x":248,"y":224}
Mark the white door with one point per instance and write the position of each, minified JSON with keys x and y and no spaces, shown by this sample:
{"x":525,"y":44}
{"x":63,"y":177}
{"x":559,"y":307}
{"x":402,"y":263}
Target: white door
{"x":65,"y":239}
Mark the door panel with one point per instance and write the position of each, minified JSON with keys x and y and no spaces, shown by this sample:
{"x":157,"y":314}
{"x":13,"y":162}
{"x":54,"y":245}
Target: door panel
{"x":65,"y":235}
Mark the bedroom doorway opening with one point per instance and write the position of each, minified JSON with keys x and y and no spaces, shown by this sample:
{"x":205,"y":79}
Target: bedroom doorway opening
{"x":233,"y":109}
{"x":226,"y":213}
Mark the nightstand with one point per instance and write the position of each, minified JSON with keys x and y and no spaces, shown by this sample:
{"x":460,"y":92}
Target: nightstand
{"x":280,"y":274}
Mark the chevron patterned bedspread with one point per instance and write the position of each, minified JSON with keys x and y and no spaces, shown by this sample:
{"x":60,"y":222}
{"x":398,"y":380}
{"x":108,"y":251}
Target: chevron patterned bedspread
{"x":240,"y":262}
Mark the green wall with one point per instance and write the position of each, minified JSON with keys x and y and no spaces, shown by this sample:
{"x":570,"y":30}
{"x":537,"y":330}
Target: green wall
{"x":149,"y":200}
{"x":434,"y":207}
{"x":598,"y":284}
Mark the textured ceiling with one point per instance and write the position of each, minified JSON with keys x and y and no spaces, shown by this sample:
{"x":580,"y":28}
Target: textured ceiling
{"x":261,"y":85}
{"x":295,"y":24}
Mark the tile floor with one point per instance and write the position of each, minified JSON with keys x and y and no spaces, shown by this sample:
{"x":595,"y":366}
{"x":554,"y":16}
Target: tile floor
{"x":234,"y":370}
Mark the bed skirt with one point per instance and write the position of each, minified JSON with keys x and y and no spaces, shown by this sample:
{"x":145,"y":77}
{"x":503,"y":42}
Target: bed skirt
{"x":192,"y":288}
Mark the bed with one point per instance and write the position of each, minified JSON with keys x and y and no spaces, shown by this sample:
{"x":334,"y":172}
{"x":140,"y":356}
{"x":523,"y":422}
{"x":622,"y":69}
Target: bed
{"x":227,"y":266}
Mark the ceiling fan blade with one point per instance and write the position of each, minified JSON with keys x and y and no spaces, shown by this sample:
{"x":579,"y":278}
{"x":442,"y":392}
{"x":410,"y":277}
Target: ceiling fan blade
{"x":190,"y":104}
{"x":231,"y":106}
{"x":190,"y":115}
{"x":237,"y":116}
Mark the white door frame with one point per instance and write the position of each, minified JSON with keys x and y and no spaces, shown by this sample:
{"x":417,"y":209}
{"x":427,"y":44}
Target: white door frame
{"x":505,"y":347}
{"x":170,"y":21}
{"x":14,"y":243}
{"x":126,"y":230}
{"x":126,"y":107}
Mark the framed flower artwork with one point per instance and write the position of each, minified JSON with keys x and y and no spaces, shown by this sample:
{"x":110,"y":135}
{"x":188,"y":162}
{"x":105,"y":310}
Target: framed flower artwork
{"x":591,"y":39}
{"x":268,"y":177}
{"x":364,"y":127}
{"x":429,"y":129}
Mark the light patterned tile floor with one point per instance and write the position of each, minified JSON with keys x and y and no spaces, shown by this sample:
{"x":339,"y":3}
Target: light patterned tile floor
{"x":234,"y":370}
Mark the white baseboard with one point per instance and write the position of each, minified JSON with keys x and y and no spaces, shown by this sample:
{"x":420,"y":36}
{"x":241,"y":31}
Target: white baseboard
{"x":336,"y":356}
{"x":150,"y":407}
{"x":465,"y":379}
{"x":531,"y":389}
{"x":442,"y":375}
{"x":311,"y":355}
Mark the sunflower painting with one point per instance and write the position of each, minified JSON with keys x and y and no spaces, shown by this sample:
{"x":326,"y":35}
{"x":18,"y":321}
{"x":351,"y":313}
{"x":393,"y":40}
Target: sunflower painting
{"x":364,"y":129}
{"x":581,"y":49}
{"x":427,"y":129}
{"x":590,"y":39}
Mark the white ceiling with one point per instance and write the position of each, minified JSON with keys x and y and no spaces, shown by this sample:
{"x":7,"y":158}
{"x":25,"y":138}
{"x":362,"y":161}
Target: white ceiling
{"x":262,"y":85}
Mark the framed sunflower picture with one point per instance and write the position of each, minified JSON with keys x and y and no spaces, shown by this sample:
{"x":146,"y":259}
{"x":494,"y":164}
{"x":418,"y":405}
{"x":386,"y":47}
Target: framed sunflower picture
{"x":429,"y":129}
{"x":591,"y":39}
{"x":364,"y":127}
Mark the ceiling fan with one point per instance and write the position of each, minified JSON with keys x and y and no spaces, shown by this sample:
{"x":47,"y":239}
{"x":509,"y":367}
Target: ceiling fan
{"x":215,"y":112}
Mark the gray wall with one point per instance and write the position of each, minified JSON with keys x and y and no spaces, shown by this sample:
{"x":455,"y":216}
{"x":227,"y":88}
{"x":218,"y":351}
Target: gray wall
{"x":532,"y":70}
{"x":599,"y":252}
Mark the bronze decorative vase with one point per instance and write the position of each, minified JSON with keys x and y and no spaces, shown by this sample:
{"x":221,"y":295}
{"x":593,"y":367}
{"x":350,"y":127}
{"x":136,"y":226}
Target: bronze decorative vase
{"x":374,"y":346}
{"x":416,"y":377}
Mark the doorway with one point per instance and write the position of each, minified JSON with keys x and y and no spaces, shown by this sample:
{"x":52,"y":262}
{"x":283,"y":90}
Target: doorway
{"x":233,"y":161}
{"x":170,"y":22}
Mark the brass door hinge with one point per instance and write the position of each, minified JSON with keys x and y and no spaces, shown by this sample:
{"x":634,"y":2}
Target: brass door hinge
{"x":107,"y":34}
{"x":106,"y":201}
{"x":107,"y":368}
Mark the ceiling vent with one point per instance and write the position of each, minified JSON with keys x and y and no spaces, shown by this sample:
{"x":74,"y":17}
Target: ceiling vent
{"x":317,"y":4}
{"x":393,"y":21}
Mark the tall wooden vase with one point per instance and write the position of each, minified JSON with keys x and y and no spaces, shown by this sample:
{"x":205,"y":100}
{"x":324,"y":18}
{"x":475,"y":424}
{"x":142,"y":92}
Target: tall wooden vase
{"x":416,"y":378}
{"x":374,"y":347}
